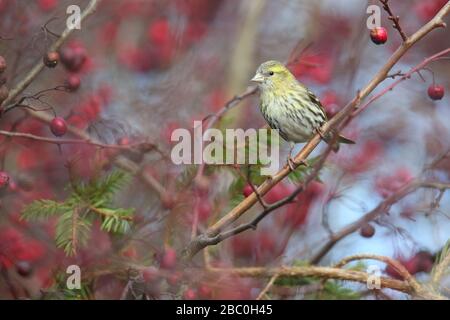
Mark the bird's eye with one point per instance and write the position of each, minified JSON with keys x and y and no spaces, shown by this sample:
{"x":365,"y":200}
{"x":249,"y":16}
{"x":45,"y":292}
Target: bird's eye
{"x":270,"y":73}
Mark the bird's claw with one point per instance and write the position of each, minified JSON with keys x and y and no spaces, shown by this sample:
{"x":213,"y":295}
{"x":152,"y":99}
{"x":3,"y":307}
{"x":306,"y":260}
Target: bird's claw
{"x":320,"y":133}
{"x":291,"y":163}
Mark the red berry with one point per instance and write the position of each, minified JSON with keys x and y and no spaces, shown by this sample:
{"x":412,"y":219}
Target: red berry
{"x":436,"y":92}
{"x":73,"y":57}
{"x":174,"y":278}
{"x":169,"y":259}
{"x":248,"y":190}
{"x":367,"y":231}
{"x":51,"y":59}
{"x":314,"y":189}
{"x":130,"y":252}
{"x":189,"y":294}
{"x":4,"y":179}
{"x":167,"y":201}
{"x":330,"y":102}
{"x":378,"y":35}
{"x":58,"y":126}
{"x":150,"y":274}
{"x":73,"y":82}
{"x":424,"y":261}
{"x":159,"y":32}
{"x":13,"y":187}
{"x":124,"y":141}
{"x":204,"y":210}
{"x":2,"y":64}
{"x":204,"y":291}
{"x":24,"y":268}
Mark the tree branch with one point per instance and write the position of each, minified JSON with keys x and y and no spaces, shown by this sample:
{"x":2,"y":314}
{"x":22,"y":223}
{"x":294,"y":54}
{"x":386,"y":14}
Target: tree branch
{"x":382,"y":207}
{"x":395,"y":19}
{"x":59,"y":141}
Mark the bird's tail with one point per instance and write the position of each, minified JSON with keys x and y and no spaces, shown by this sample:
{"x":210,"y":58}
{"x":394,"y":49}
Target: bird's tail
{"x":340,"y":139}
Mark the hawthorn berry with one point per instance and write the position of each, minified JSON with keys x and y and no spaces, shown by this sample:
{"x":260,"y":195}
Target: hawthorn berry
{"x":4,"y":179}
{"x":2,"y":64}
{"x":248,"y":190}
{"x":169,"y":259}
{"x":189,"y":294}
{"x":204,"y":210}
{"x":367,"y":231}
{"x":51,"y":59}
{"x":204,"y":291}
{"x":167,"y":201}
{"x":24,"y":268}
{"x":150,"y":274}
{"x":72,"y":82}
{"x":174,"y":279}
{"x":378,"y":35}
{"x":330,"y":103}
{"x":424,"y":261}
{"x":436,"y":92}
{"x":58,"y":126}
{"x":73,"y":58}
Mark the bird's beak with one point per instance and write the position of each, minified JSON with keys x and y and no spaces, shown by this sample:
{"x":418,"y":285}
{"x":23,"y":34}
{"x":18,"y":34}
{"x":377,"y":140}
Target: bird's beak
{"x":258,"y":78}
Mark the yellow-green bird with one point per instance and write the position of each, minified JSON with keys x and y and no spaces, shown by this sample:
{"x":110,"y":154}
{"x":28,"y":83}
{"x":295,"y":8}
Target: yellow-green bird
{"x":288,"y":106}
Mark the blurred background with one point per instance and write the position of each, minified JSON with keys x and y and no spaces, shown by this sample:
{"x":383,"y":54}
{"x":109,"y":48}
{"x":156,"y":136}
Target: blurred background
{"x":147,"y":67}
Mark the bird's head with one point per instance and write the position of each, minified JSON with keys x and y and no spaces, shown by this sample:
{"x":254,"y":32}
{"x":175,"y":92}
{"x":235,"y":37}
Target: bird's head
{"x":273,"y":75}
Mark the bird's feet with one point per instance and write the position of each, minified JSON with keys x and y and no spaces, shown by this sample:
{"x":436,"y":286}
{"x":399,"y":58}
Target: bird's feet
{"x":320,"y":133}
{"x":291,"y":163}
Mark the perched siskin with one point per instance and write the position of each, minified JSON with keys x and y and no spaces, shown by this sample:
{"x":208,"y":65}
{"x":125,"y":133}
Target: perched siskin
{"x":289,"y":106}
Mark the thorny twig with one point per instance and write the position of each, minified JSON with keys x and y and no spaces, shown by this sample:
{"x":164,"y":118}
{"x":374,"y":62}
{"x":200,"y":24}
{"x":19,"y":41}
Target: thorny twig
{"x":395,"y":19}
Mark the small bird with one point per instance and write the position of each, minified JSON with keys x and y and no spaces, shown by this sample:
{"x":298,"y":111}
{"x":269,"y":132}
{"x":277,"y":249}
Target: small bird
{"x":288,"y":106}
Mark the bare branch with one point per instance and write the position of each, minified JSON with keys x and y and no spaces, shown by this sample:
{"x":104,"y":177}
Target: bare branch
{"x":395,"y":19}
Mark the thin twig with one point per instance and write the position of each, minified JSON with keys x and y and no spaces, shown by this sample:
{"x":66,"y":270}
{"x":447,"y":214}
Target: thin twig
{"x":395,"y":19}
{"x":382,"y":207}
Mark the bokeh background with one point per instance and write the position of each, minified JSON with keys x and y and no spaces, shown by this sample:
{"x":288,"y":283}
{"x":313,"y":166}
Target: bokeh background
{"x":150,"y":66}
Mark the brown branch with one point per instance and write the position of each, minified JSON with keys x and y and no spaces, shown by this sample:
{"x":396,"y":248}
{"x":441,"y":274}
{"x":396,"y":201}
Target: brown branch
{"x":206,"y":241}
{"x":405,"y":76}
{"x":382,"y":207}
{"x":313,"y":271}
{"x":393,"y":263}
{"x":409,"y":286}
{"x":59,"y":141}
{"x":395,"y":19}
{"x":441,"y":269}
{"x":34,"y":72}
{"x":416,"y":287}
{"x":341,"y":117}
{"x":267,"y":287}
